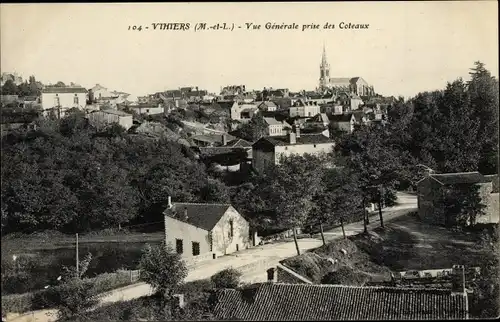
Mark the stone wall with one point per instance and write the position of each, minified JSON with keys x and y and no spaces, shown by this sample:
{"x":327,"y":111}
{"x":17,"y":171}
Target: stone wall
{"x":286,"y":275}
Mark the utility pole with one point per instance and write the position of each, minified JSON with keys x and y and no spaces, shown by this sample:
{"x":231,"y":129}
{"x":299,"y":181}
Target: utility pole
{"x":77,"y":260}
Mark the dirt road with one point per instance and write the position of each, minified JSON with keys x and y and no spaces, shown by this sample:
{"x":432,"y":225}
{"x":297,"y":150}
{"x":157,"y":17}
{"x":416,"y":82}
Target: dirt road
{"x":252,"y":262}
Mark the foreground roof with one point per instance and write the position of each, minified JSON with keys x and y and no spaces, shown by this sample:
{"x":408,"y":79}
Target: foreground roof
{"x":201,"y":215}
{"x":306,"y":302}
{"x":460,"y":177}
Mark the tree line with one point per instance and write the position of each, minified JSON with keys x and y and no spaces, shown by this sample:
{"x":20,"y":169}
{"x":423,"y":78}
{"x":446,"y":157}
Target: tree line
{"x":67,"y":175}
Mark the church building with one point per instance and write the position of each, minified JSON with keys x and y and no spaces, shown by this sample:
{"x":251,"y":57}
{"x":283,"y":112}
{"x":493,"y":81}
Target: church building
{"x":353,"y":85}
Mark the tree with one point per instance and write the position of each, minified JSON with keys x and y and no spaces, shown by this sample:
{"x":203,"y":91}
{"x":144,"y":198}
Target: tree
{"x":9,"y":88}
{"x":377,"y":163}
{"x":162,"y":268}
{"x":288,"y":194}
{"x":227,"y":278}
{"x":255,"y":129}
{"x":336,"y":200}
{"x":483,"y":90}
{"x":214,"y":191}
{"x":60,"y":84}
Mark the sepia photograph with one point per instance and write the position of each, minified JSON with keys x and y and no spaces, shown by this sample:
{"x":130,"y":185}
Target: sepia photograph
{"x":250,"y":161}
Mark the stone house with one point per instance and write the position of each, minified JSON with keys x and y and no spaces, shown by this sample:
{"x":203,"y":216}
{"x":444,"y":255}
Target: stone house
{"x":433,"y":186}
{"x":104,"y":117}
{"x":268,"y":151}
{"x":343,"y":122}
{"x":148,"y":109}
{"x":268,"y":106}
{"x":61,"y":99}
{"x":200,"y":231}
{"x":275,"y":127}
{"x":243,"y":112}
{"x":303,"y":108}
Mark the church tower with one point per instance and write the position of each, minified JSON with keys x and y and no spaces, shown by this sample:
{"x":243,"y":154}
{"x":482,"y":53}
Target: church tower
{"x":324,"y":71}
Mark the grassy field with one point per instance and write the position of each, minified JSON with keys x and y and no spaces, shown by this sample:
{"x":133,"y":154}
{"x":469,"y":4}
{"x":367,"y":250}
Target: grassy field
{"x":407,"y":244}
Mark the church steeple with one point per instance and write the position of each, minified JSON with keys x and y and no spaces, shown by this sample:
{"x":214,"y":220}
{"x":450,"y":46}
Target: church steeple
{"x":324,"y":70}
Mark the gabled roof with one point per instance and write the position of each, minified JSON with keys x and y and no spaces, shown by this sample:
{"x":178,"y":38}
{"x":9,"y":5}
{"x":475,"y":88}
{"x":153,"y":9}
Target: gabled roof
{"x":272,"y":121}
{"x":212,"y":138}
{"x":340,"y":117}
{"x":460,"y":177}
{"x":239,"y":143}
{"x":269,"y":104}
{"x":340,"y":80}
{"x":114,"y":112}
{"x":309,"y":302}
{"x":316,"y":138}
{"x":201,"y":215}
{"x":64,"y":90}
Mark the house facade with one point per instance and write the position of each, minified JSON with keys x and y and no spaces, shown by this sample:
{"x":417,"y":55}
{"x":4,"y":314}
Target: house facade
{"x":148,"y":109}
{"x":275,"y":127}
{"x":63,"y":98}
{"x":304,"y":109}
{"x":268,"y":151}
{"x":243,"y":112}
{"x":200,"y":231}
{"x":268,"y":106}
{"x":343,"y":122}
{"x":431,"y":188}
{"x":105,"y":117}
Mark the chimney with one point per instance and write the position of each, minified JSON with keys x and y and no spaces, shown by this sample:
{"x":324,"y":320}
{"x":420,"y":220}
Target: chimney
{"x":270,"y":275}
{"x":178,"y":300}
{"x":297,"y":131}
{"x":169,"y":202}
{"x":224,"y":139}
{"x":458,"y":279}
{"x":291,"y":136}
{"x":185,"y":213}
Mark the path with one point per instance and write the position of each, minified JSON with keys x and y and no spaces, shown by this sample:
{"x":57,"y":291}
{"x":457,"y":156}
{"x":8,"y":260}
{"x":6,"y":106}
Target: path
{"x":253,"y":262}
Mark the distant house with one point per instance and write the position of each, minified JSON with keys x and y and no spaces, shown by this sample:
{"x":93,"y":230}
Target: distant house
{"x":310,"y":302}
{"x":29,"y":101}
{"x":268,"y":106}
{"x":109,"y":116}
{"x":433,"y":186}
{"x":343,"y":122}
{"x":320,"y":119}
{"x":268,"y":151}
{"x":243,"y":112}
{"x":199,"y":231}
{"x":275,"y":127}
{"x":212,"y":140}
{"x":148,"y":109}
{"x":303,"y":108}
{"x":60,"y":99}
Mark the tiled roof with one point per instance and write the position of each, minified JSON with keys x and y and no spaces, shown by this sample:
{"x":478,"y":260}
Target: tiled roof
{"x":114,"y":112}
{"x":303,"y":139}
{"x":461,"y":177}
{"x":272,"y":121}
{"x":341,"y":80}
{"x":64,"y":90}
{"x":212,"y":138}
{"x":239,"y":143}
{"x":201,"y":215}
{"x":340,"y":117}
{"x":305,"y":302}
{"x":269,"y":104}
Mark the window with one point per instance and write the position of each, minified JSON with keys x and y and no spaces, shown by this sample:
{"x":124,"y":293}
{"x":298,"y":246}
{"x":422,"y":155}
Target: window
{"x":75,"y":99}
{"x":196,"y":248}
{"x":179,"y":247}
{"x":231,"y":228}
{"x":315,"y":145}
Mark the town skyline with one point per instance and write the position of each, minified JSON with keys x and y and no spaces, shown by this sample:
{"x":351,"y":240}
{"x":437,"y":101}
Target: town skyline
{"x":399,"y":54}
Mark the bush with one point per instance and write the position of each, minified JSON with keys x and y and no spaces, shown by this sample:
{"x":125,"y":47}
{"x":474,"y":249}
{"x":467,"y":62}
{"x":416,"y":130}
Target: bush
{"x":162,"y":268}
{"x":346,"y":276}
{"x":227,"y":278}
{"x":75,"y":297}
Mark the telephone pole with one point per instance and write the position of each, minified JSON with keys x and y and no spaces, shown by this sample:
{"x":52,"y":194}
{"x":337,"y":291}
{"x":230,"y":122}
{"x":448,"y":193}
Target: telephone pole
{"x":77,"y":260}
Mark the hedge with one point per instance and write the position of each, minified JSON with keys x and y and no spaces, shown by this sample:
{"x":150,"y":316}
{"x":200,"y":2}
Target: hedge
{"x":47,"y":298}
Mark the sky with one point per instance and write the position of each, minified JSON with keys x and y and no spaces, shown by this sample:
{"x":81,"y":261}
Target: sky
{"x":409,"y":47}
